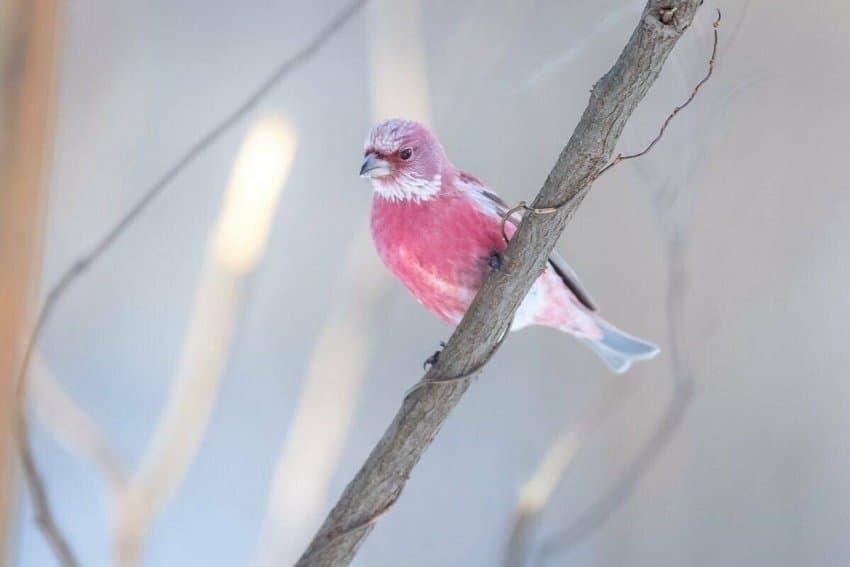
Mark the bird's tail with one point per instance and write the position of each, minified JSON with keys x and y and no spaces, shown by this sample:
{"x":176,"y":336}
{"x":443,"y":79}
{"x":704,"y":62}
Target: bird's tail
{"x":619,"y":349}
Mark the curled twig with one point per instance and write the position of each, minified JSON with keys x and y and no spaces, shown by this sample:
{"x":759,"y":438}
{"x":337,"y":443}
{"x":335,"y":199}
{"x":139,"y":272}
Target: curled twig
{"x":466,"y":375}
{"x":711,"y":62}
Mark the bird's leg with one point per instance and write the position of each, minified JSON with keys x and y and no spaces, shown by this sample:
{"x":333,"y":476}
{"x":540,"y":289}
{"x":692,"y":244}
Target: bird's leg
{"x":432,"y":360}
{"x":495,"y":260}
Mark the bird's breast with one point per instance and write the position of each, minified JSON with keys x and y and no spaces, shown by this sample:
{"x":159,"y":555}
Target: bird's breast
{"x":440,"y":249}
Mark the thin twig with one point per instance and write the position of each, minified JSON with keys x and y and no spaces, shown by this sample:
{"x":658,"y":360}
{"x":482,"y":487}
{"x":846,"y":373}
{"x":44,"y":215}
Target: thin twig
{"x":537,"y":492}
{"x":647,"y":149}
{"x":597,"y":514}
{"x":34,"y":479}
{"x":35,"y":483}
{"x":72,"y":426}
{"x":683,"y":390}
{"x":684,"y":375}
{"x":337,"y":363}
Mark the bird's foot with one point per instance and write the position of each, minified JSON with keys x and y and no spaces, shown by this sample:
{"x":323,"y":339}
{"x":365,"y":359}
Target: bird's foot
{"x":432,"y":360}
{"x":495,"y":261}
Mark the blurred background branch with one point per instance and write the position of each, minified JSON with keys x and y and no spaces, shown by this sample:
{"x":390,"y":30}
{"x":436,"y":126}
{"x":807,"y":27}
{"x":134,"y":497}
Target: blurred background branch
{"x":73,"y":427}
{"x":220,"y":286}
{"x":672,"y":192}
{"x":235,"y":246}
{"x":537,"y":492}
{"x":29,"y":52}
{"x":337,"y":365}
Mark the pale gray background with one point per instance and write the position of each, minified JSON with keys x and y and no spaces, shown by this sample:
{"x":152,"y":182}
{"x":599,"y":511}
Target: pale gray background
{"x":754,"y":172}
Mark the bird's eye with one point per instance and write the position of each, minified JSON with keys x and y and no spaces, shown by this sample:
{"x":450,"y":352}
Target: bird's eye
{"x":405,"y":153}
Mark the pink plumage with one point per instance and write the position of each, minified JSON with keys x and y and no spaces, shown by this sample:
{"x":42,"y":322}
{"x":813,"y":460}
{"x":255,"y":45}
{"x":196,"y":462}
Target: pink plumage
{"x":438,"y":230}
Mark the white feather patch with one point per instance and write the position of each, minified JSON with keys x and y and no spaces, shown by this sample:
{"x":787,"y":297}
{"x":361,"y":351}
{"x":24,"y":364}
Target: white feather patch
{"x":407,"y":187}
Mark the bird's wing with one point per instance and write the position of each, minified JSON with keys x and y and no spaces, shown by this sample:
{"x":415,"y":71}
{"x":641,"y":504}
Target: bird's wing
{"x":570,"y":278}
{"x":495,"y":205}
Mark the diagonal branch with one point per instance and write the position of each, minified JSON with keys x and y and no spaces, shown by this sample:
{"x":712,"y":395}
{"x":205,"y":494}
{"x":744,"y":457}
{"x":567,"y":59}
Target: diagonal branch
{"x":378,"y":484}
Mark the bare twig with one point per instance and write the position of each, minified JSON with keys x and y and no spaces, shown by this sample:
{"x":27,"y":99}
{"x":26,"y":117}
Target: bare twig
{"x":183,"y":420}
{"x":321,"y":421}
{"x":596,"y":516}
{"x":235,"y":245}
{"x":683,"y":388}
{"x":34,"y":479}
{"x":678,"y":109}
{"x":35,"y":483}
{"x":536,"y":493}
{"x":72,"y":426}
{"x":378,"y":484}
{"x":684,"y":373}
{"x":601,"y":511}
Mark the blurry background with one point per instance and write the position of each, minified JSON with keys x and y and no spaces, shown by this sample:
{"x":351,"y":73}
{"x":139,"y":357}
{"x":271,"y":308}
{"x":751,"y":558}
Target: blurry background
{"x":727,"y":245}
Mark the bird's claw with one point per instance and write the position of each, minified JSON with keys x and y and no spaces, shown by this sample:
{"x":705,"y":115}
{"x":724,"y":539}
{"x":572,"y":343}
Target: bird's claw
{"x":495,"y":261}
{"x":432,"y":360}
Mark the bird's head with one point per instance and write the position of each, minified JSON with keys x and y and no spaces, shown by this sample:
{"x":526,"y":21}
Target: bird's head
{"x":404,"y":161}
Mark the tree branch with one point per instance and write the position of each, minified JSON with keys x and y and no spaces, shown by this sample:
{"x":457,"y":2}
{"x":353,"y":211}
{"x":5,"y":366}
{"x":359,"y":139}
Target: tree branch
{"x":378,"y":484}
{"x":535,"y":494}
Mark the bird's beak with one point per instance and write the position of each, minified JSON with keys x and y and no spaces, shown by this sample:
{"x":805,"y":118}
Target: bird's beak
{"x":374,"y":167}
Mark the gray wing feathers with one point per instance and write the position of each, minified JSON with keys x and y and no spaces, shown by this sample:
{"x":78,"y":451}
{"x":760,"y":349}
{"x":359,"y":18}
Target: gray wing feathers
{"x":571,"y":280}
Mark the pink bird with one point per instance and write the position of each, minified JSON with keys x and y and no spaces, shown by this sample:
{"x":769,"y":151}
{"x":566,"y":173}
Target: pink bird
{"x":439,"y":230}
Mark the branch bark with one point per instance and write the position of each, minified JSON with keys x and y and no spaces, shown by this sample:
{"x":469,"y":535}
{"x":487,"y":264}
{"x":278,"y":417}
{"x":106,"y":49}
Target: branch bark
{"x":378,"y":484}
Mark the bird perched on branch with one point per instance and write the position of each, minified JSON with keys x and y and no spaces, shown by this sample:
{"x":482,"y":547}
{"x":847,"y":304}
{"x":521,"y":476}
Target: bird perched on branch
{"x":439,"y":230}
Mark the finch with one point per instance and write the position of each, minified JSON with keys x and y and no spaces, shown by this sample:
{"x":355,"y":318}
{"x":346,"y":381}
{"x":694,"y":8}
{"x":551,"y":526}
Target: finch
{"x":439,"y":230}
